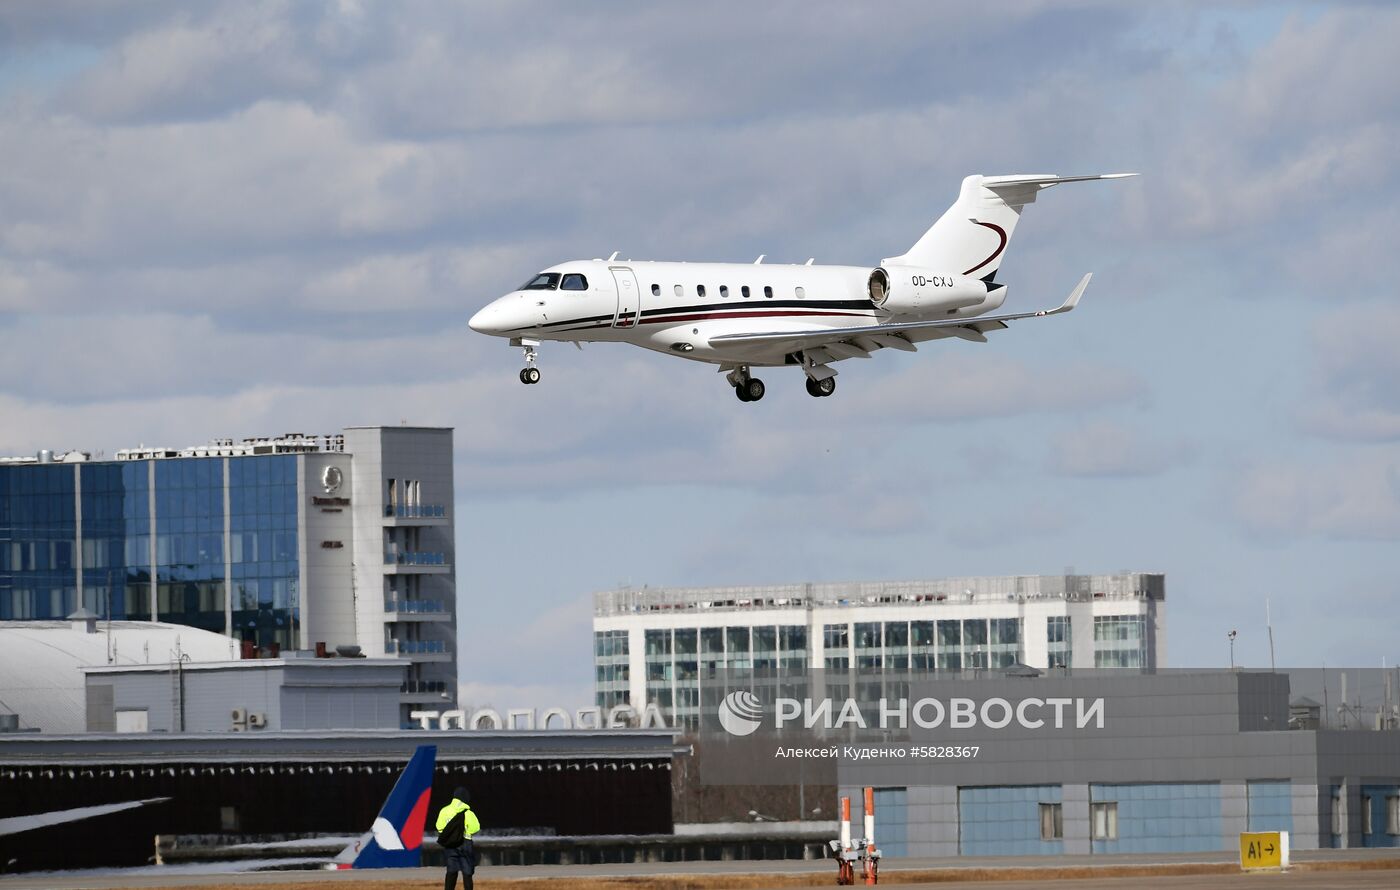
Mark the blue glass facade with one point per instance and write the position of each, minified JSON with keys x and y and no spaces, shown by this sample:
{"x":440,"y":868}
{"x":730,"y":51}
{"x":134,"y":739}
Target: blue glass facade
{"x":263,"y":549}
{"x":1270,"y":805}
{"x":1161,"y":818}
{"x":38,"y":530}
{"x":190,"y":542}
{"x":116,"y":539}
{"x":1004,"y":821}
{"x":124,"y":538}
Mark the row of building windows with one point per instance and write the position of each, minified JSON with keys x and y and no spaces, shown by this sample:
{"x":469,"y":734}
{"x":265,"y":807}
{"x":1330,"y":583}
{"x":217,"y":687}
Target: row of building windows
{"x":950,"y":644}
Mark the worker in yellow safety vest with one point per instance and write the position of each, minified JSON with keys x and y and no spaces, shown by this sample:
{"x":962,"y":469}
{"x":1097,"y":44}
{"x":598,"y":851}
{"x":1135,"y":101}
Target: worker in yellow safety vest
{"x":456,"y":823}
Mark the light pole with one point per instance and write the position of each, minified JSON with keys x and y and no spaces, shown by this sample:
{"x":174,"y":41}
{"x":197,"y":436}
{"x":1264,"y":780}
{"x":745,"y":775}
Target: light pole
{"x":1231,"y":635}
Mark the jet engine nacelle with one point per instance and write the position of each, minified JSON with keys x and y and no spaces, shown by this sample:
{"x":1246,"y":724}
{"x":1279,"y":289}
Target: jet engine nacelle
{"x":912,"y":290}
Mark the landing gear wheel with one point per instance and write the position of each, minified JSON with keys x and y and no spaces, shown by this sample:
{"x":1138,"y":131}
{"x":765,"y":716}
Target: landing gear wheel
{"x":754,"y":389}
{"x":529,"y":375}
{"x":742,"y":393}
{"x":821,"y":388}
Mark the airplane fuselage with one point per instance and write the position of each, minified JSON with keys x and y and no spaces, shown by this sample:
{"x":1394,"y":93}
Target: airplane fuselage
{"x":679,"y":308}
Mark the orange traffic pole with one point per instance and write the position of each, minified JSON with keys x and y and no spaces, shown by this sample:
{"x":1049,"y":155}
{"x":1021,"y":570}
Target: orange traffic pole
{"x":871,"y":875}
{"x":845,"y":874}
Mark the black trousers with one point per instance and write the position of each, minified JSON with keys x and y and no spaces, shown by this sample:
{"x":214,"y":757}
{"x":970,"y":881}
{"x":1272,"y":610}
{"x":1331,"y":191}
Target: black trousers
{"x":463,"y":860}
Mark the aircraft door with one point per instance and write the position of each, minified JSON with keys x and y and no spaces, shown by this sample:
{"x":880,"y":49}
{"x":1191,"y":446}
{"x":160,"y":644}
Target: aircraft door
{"x":629,"y":297}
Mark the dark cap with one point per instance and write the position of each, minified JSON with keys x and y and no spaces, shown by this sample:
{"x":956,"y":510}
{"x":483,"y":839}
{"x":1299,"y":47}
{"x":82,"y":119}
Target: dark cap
{"x":460,"y":793}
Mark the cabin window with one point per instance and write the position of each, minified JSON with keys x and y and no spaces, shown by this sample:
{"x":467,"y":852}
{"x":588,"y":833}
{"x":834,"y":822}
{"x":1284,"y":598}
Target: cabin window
{"x":680,"y":291}
{"x":801,"y":293}
{"x":745,"y":291}
{"x":767,"y":291}
{"x":699,"y":290}
{"x":724,"y":291}
{"x":542,"y":281}
{"x":656,"y":290}
{"x":574,"y":281}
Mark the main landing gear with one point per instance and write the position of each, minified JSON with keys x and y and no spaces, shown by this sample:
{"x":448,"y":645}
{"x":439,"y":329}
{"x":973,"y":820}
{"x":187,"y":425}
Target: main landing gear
{"x":529,"y":374}
{"x":746,"y":388}
{"x":821,"y":388}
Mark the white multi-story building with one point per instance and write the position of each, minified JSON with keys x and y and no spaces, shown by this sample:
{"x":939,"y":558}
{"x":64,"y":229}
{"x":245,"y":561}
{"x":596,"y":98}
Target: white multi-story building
{"x":660,"y":645}
{"x":280,"y":543}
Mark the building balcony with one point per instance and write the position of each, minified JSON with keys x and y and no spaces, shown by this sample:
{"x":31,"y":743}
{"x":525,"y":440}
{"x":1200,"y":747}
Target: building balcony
{"x":425,"y":691}
{"x":415,"y":514}
{"x":417,"y":610}
{"x":419,"y":650}
{"x":422,"y":562}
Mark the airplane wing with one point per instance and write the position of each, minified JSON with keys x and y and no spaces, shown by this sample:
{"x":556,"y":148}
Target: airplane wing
{"x":860,"y":341}
{"x":16,"y":824}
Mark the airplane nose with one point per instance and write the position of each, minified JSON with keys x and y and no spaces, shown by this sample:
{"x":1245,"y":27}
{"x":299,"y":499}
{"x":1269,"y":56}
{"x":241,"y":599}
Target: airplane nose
{"x":481,"y":321}
{"x":507,"y":316}
{"x":491,"y":319}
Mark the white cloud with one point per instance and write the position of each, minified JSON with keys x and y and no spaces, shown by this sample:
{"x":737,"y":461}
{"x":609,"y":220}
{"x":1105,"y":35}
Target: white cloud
{"x":1354,"y":368}
{"x":950,"y":387}
{"x":1106,"y":448}
{"x":1006,"y":528}
{"x":1355,"y":500}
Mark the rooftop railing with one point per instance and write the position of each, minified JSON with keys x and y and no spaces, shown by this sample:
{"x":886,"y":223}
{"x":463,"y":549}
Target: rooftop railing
{"x":415,"y":511}
{"x":415,"y":607}
{"x":414,"y":558}
{"x":1011,"y":588}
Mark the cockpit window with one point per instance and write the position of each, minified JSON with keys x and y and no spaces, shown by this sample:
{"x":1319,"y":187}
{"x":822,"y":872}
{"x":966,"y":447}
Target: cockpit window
{"x":574,"y":281}
{"x":543,"y":281}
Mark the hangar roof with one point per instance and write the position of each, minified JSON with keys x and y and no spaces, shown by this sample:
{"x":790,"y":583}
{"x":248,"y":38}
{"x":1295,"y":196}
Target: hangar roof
{"x":40,"y":661}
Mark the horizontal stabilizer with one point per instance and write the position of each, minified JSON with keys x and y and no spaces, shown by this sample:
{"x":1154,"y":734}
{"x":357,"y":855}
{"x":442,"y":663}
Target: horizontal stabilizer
{"x":1044,"y":180}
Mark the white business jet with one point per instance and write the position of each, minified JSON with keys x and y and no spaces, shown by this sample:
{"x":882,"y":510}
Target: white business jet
{"x":745,"y":316}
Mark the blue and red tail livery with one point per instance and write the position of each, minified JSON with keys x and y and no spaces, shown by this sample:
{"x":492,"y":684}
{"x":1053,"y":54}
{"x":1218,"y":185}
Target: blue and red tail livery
{"x":396,"y":838}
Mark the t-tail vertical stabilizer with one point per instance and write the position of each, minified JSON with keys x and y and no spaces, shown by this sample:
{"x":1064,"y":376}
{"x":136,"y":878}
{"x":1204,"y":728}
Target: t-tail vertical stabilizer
{"x":396,"y":838}
{"x":970,"y":238}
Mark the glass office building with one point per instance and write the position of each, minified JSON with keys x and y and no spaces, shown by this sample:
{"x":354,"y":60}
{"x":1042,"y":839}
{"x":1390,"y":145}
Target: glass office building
{"x":265,"y":540}
{"x":682,"y":648}
{"x":151,"y":543}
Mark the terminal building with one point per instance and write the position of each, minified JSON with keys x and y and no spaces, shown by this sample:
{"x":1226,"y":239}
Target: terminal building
{"x":1184,"y":762}
{"x":278,"y":544}
{"x":679,"y":647}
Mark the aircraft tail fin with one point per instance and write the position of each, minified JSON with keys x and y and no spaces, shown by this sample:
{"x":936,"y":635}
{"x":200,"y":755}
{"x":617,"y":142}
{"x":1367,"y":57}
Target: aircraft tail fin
{"x":395,"y":840}
{"x":970,"y":238}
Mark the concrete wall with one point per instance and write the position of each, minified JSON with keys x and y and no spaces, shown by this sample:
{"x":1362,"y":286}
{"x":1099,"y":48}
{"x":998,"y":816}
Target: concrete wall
{"x":328,"y":554}
{"x":313,"y":694}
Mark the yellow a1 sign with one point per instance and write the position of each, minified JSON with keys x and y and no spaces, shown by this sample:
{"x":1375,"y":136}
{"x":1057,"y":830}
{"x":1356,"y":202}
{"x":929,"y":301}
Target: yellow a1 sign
{"x":1264,"y":849}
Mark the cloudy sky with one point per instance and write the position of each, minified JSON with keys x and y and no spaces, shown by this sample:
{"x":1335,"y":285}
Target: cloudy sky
{"x":235,"y":219}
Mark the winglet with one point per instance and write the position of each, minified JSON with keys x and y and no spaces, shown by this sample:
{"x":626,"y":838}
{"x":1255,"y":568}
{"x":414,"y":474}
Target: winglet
{"x":1073,"y":299}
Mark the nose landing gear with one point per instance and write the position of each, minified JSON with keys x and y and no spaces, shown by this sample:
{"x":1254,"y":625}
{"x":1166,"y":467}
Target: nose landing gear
{"x":529,"y":374}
